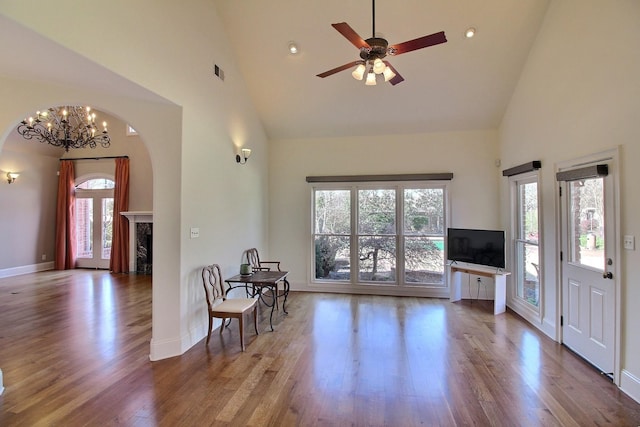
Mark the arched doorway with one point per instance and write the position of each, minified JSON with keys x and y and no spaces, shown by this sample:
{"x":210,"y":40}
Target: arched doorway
{"x":158,"y":122}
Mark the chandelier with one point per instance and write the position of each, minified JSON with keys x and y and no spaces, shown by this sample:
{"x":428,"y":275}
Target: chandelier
{"x":68,"y":127}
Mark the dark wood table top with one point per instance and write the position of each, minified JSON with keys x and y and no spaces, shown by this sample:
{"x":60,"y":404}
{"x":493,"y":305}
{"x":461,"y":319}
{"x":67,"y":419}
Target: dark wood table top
{"x":259,"y":277}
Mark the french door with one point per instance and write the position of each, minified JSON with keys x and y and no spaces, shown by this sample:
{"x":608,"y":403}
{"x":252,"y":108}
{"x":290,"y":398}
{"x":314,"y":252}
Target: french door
{"x":94,"y":222}
{"x":589,"y":257}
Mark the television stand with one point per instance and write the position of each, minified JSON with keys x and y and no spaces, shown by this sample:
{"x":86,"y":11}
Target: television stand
{"x":499,"y":279}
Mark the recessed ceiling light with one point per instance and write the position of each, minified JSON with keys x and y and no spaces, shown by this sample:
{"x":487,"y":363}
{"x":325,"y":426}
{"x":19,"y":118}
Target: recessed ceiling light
{"x":470,"y":32}
{"x":293,"y":48}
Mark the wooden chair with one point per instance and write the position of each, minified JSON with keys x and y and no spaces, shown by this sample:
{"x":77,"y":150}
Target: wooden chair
{"x":253,"y":258}
{"x":221,"y":307}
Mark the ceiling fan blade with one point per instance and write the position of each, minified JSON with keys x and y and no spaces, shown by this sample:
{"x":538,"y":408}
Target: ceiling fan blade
{"x":338,"y":69}
{"x":397,"y":78}
{"x":348,"y":32}
{"x":419,"y":43}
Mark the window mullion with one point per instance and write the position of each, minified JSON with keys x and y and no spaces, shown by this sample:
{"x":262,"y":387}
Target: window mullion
{"x":400,"y":264}
{"x":355,"y":241}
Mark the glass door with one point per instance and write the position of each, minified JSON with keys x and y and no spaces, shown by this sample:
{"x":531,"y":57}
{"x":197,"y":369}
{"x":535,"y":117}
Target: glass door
{"x":588,"y":284}
{"x":94,"y":223}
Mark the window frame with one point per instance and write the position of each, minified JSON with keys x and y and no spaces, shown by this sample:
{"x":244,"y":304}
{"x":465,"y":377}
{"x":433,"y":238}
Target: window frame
{"x":130,"y":131}
{"x":398,"y":286}
{"x":521,"y":304}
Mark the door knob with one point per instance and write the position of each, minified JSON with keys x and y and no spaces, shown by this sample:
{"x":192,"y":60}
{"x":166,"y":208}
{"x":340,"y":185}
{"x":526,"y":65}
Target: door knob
{"x":607,"y":275}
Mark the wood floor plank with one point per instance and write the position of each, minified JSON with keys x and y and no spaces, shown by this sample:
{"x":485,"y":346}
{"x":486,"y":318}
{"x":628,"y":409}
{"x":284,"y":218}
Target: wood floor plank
{"x":74,"y":350}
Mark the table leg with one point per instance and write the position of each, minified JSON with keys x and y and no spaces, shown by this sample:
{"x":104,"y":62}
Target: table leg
{"x":286,"y":294}
{"x":273,"y":306}
{"x":261,"y":297}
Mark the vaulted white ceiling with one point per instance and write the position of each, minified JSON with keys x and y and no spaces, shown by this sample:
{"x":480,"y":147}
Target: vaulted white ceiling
{"x":463,"y":84}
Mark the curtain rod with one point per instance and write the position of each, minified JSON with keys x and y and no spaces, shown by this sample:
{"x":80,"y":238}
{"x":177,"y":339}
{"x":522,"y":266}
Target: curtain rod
{"x":97,"y":158}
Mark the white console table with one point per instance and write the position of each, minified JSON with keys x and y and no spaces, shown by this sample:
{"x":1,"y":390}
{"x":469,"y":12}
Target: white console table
{"x":499,"y":279}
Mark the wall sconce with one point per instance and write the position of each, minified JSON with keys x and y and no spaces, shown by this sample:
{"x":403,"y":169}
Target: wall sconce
{"x":246,"y":152}
{"x":11,"y":177}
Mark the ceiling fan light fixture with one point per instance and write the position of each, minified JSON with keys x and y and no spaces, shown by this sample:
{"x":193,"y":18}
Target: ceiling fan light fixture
{"x":371,"y":78}
{"x":388,"y":74}
{"x":374,"y":49}
{"x":378,"y":66}
{"x":358,"y":73}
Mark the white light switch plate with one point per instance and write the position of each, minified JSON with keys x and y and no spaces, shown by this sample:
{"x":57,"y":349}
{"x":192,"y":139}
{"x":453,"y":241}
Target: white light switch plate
{"x":195,"y":232}
{"x":629,"y":242}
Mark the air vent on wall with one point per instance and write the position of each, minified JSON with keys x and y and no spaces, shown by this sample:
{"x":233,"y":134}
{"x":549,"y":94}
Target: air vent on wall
{"x":218,"y":72}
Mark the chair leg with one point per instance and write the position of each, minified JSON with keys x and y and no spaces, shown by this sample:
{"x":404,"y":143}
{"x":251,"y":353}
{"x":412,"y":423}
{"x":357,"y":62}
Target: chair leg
{"x":210,"y":326}
{"x":241,"y":324}
{"x":222,"y":325}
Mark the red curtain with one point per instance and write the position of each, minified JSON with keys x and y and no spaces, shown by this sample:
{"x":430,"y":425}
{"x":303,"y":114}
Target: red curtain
{"x":119,"y":262}
{"x":65,"y":254}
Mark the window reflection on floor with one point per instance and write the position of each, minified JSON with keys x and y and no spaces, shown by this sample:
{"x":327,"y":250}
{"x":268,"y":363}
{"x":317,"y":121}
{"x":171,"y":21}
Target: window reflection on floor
{"x":530,"y":358}
{"x":92,"y":307}
{"x":392,"y":350}
{"x":107,"y":317}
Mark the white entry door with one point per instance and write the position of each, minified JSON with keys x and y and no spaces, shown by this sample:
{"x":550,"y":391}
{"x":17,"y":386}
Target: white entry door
{"x":94,"y":222}
{"x":589,"y":282}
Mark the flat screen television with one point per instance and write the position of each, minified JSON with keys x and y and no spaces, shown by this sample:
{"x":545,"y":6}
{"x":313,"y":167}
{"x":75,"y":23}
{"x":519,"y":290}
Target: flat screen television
{"x":482,"y":247}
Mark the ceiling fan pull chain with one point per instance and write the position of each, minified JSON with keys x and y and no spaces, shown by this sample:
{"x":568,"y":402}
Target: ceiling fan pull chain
{"x":373,"y":15}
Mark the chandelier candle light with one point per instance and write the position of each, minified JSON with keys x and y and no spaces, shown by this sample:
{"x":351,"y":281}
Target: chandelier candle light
{"x":68,"y":127}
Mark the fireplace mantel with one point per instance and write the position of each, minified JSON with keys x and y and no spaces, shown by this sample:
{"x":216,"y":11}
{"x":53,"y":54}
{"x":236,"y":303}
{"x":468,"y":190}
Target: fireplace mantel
{"x":135,"y":217}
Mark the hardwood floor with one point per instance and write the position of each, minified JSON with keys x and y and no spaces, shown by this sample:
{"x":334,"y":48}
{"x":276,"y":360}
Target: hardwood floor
{"x":74,"y":351}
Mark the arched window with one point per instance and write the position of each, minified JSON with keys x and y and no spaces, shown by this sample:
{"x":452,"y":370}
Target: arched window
{"x":97,"y":184}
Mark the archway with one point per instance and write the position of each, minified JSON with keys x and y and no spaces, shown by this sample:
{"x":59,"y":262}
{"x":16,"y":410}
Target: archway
{"x":158,"y":125}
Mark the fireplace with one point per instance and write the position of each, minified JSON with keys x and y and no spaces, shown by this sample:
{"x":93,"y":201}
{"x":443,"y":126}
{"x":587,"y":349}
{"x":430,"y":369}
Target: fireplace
{"x":144,"y":247}
{"x":140,"y":241}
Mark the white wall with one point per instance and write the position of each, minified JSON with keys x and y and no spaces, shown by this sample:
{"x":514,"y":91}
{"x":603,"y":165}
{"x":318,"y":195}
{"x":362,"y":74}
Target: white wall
{"x":579,"y":94}
{"x":192,"y":137}
{"x":469,"y":155}
{"x":27,"y":211}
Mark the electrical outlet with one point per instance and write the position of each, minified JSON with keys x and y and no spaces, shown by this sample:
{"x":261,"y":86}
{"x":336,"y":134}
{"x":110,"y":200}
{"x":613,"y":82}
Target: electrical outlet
{"x":629,"y":242}
{"x":44,"y":257}
{"x":195,"y":232}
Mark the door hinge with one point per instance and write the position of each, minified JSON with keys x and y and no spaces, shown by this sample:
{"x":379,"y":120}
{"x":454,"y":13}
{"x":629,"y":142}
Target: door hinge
{"x":561,"y":320}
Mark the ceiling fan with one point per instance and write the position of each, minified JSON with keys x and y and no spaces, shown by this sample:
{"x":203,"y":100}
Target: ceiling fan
{"x":374,"y":49}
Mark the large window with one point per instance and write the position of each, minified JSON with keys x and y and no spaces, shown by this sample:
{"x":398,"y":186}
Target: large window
{"x":526,"y":232}
{"x":380,"y":234}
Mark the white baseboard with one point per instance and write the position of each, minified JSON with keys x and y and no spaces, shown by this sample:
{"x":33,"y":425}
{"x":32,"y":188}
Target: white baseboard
{"x":26,"y":269}
{"x":341,"y":288}
{"x":630,"y":384}
{"x":164,"y":349}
